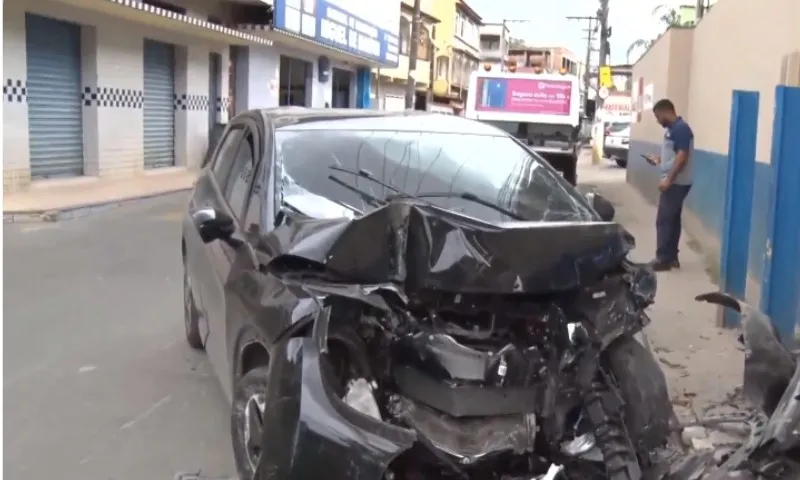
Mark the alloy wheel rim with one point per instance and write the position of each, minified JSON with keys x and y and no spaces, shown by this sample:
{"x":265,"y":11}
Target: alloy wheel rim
{"x":254,"y":427}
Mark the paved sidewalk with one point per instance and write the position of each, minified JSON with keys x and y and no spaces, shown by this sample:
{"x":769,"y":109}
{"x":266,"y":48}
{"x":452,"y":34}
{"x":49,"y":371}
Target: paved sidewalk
{"x":51,"y":200}
{"x":703,"y":363}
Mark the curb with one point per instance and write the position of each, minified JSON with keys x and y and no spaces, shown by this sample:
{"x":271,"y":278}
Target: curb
{"x":79,"y":211}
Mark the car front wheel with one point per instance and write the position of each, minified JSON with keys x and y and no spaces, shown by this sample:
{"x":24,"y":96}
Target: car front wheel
{"x":247,"y":420}
{"x":191,"y":315}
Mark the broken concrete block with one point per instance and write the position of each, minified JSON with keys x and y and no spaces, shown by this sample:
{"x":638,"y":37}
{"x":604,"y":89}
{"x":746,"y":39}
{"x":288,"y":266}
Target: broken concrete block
{"x":689,"y":433}
{"x":702,"y":444}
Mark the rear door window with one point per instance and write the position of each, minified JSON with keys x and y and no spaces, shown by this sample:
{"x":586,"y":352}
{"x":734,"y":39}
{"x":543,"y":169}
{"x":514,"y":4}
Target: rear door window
{"x":223,"y":161}
{"x":237,"y":188}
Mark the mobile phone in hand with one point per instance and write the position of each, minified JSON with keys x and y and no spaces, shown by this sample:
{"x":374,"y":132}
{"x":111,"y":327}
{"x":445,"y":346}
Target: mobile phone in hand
{"x":648,"y":159}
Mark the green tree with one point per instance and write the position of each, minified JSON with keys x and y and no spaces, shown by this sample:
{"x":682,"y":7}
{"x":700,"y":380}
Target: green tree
{"x":668,"y":17}
{"x":516,"y":42}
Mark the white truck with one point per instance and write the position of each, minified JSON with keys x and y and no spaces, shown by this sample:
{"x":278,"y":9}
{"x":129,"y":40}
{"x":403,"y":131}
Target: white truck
{"x":540,"y":109}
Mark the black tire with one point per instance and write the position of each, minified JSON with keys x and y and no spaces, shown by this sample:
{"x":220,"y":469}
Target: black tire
{"x":191,"y":315}
{"x":249,"y":386}
{"x":643,"y":387}
{"x":622,"y":162}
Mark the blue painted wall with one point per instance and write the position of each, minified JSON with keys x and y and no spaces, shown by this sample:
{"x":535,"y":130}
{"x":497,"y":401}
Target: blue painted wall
{"x":707,"y":197}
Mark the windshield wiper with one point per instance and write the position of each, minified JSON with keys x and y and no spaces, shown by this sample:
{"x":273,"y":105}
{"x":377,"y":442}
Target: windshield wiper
{"x":401,"y":194}
{"x":375,"y":201}
{"x":370,"y":199}
{"x":469,"y":197}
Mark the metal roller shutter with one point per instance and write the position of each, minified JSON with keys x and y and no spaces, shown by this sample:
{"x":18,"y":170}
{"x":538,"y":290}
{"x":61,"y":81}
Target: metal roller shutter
{"x":55,"y":114}
{"x":159,"y":104}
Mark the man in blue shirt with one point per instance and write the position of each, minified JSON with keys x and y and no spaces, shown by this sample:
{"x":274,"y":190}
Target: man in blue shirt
{"x":675,"y":163}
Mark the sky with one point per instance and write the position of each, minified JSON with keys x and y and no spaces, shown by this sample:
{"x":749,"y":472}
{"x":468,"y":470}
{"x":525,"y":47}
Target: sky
{"x":630,"y":21}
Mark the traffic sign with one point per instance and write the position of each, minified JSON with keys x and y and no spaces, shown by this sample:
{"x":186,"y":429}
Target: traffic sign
{"x":605,"y":76}
{"x":603,"y":92}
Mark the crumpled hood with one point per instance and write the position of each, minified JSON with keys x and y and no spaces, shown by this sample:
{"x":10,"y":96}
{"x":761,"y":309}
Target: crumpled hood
{"x":425,"y":247}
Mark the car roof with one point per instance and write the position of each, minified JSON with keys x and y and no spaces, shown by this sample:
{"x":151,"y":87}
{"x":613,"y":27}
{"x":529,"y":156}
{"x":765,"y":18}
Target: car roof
{"x":307,"y":119}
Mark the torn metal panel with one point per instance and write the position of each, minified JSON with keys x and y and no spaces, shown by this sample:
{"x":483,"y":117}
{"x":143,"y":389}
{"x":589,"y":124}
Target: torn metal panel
{"x":424,"y":247}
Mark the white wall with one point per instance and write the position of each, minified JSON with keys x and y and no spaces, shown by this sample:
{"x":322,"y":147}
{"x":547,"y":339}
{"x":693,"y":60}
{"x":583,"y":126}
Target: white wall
{"x":111,"y":59}
{"x":258,"y":78}
{"x":16,"y":165}
{"x":396,"y":95}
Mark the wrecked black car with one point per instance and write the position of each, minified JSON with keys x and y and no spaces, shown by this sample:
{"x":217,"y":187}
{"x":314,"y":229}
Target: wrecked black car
{"x":402,"y":296}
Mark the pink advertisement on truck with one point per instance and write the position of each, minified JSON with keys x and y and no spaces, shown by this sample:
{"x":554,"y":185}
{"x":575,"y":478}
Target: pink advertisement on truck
{"x":524,"y":95}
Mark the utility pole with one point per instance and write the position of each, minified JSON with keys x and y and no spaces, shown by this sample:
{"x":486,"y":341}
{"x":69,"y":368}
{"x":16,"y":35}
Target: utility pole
{"x":505,"y":45}
{"x":700,"y":10}
{"x":592,"y":21}
{"x":605,"y":33}
{"x":413,"y":51}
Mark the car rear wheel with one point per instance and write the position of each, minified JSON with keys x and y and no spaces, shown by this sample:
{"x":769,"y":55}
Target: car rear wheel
{"x":247,"y":420}
{"x":621,"y":162}
{"x":191,"y":315}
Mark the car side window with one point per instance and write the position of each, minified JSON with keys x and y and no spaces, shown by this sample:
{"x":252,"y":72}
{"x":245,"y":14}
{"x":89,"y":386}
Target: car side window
{"x":223,"y":161}
{"x":238,"y":185}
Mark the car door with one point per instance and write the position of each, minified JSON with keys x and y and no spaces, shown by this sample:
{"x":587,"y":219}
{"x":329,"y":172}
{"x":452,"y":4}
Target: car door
{"x":206,"y":194}
{"x":234,"y":199}
{"x":248,"y":320}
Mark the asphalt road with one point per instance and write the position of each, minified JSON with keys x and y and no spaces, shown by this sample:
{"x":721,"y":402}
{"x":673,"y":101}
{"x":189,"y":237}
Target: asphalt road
{"x":98,"y":380}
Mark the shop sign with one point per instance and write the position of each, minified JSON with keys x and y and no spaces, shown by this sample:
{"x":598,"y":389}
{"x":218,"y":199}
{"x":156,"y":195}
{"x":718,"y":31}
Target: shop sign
{"x":359,"y":27}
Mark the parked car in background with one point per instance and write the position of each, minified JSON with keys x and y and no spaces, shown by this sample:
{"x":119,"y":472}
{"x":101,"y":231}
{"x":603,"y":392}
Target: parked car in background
{"x":617,"y":139}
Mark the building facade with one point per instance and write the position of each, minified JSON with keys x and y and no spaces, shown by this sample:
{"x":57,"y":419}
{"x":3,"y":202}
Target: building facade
{"x":120,"y":88}
{"x":698,"y":68}
{"x":390,"y":83}
{"x":457,"y":46}
{"x":550,"y":59}
{"x":494,"y":46}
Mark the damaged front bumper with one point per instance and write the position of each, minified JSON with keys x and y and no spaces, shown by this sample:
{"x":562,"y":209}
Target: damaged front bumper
{"x":314,"y":434}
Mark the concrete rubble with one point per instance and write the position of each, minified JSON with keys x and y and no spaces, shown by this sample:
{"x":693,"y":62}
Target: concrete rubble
{"x":703,"y":362}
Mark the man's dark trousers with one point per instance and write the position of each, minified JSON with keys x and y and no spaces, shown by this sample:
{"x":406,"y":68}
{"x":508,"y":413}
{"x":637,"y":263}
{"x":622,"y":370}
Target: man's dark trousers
{"x":668,"y":222}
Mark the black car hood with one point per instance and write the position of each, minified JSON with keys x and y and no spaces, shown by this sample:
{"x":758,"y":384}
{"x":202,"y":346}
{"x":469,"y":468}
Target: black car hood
{"x":420,"y":246}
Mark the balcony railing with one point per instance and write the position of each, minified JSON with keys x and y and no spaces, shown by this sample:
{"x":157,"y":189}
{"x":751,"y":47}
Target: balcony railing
{"x":422,"y":72}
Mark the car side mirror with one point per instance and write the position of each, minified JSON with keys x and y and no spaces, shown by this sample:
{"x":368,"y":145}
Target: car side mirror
{"x":213,"y":224}
{"x":604,"y":208}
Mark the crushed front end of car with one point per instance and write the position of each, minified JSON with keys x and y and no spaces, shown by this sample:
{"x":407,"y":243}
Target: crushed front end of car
{"x":431,"y":345}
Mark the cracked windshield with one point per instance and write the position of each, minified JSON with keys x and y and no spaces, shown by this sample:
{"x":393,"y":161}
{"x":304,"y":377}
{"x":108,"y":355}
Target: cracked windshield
{"x":495,"y":169}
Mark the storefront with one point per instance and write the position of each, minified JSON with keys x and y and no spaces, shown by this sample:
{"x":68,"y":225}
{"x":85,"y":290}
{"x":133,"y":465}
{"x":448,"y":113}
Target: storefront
{"x":323,"y":54}
{"x":343,"y":88}
{"x":294,"y":82}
